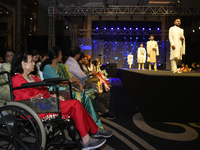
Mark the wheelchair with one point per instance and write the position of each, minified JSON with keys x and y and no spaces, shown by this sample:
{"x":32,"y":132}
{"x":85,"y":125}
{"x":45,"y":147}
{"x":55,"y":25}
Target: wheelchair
{"x":22,"y":129}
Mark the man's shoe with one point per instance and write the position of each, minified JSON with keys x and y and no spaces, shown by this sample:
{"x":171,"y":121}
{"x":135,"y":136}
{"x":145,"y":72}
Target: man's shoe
{"x":103,"y":133}
{"x":108,"y":115}
{"x":93,"y":143}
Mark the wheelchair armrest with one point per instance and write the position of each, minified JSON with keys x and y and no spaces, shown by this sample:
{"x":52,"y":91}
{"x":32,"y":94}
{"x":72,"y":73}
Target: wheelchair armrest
{"x":53,"y":80}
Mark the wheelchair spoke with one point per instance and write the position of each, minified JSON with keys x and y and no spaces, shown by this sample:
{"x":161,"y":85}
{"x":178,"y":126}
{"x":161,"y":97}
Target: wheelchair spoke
{"x":22,"y":128}
{"x":15,"y":122}
{"x":8,"y":145}
{"x":6,"y":124}
{"x":21,"y":143}
{"x":3,"y":133}
{"x":15,"y":145}
{"x":5,"y":138}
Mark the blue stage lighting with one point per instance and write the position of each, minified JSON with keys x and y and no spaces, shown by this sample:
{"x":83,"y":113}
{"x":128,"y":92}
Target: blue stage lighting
{"x":124,"y":37}
{"x":130,"y":28}
{"x":143,"y":28}
{"x":136,"y":28}
{"x":130,"y":37}
{"x":149,"y":29}
{"x":97,"y":28}
{"x":136,"y":37}
{"x":111,"y":28}
{"x":118,"y":28}
{"x":158,"y":29}
{"x":104,"y":28}
{"x":124,"y":28}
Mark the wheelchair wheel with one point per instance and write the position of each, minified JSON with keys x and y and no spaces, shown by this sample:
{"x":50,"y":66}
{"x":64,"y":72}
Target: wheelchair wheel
{"x":20,"y":128}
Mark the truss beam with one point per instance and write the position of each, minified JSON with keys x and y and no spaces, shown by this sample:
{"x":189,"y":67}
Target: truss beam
{"x":124,"y":10}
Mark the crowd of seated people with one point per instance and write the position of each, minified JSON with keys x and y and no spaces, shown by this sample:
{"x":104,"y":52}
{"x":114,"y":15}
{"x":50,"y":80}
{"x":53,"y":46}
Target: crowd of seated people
{"x":21,"y":67}
{"x":86,"y":103}
{"x":195,"y":68}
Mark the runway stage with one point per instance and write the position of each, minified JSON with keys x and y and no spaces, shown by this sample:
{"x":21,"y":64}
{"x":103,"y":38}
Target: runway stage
{"x":162,"y":96}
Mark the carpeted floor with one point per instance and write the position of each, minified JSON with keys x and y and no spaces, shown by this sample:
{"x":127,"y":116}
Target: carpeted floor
{"x":132,"y":132}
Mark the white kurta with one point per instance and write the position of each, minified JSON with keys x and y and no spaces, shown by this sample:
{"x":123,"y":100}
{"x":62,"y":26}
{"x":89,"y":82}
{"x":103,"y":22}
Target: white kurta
{"x":151,"y":52}
{"x":141,"y":55}
{"x":174,"y":37}
{"x":130,"y":59}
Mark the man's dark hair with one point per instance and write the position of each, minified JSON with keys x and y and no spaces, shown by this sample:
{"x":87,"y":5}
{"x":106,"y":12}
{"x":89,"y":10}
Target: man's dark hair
{"x":74,"y":50}
{"x":177,"y":18}
{"x":151,"y":35}
{"x":82,"y":56}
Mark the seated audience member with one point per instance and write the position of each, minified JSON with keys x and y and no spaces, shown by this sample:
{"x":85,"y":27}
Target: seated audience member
{"x":187,"y":69}
{"x":81,"y":60}
{"x":90,"y":65}
{"x":182,"y":67}
{"x":104,"y":85}
{"x":36,"y":56}
{"x":1,"y":60}
{"x":4,"y":86}
{"x":198,"y":68}
{"x":52,"y":69}
{"x":76,"y":72}
{"x":22,"y":66}
{"x":43,"y":57}
{"x":194,"y":68}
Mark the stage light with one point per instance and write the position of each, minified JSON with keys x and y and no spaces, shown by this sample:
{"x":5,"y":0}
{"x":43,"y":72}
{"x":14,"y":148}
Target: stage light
{"x":104,"y":28}
{"x":97,"y":28}
{"x":149,"y":29}
{"x":143,"y":38}
{"x":124,"y":28}
{"x":193,"y":30}
{"x":131,"y":38}
{"x":199,"y":28}
{"x":111,"y":28}
{"x":130,"y":28}
{"x":143,"y":28}
{"x":136,"y":37}
{"x":124,"y":37}
{"x":118,"y":28}
{"x":136,"y":28}
{"x":158,"y":29}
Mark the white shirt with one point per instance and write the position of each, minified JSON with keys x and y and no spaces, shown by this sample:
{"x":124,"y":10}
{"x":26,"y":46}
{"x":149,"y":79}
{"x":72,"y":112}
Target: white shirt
{"x":74,"y":68}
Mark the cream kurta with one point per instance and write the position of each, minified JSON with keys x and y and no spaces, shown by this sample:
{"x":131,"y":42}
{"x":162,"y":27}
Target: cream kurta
{"x":130,"y":59}
{"x":141,"y":55}
{"x":151,"y":52}
{"x":174,"y":37}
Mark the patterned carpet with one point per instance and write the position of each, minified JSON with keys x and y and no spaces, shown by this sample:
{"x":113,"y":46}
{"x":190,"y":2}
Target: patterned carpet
{"x":132,"y":132}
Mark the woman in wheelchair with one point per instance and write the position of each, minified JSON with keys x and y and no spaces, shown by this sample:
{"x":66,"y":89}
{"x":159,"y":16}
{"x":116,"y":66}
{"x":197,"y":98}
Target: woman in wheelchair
{"x":51,"y":68}
{"x":21,"y":67}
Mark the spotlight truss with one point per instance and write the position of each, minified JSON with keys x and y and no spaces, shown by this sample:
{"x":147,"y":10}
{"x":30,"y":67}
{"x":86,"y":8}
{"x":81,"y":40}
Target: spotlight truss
{"x":122,"y":10}
{"x":118,"y":32}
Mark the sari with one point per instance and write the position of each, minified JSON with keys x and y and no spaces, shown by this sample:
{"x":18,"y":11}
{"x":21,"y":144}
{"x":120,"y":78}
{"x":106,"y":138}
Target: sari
{"x":63,"y":72}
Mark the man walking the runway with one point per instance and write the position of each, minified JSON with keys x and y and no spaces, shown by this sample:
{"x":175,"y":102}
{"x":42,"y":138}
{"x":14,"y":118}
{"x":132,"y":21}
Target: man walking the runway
{"x":130,"y":60}
{"x":177,"y":44}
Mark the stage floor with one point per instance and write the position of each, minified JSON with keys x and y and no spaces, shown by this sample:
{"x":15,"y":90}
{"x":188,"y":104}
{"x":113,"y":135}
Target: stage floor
{"x":162,"y":73}
{"x":163,"y":96}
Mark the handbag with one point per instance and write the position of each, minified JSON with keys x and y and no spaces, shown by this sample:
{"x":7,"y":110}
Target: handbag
{"x":46,"y":105}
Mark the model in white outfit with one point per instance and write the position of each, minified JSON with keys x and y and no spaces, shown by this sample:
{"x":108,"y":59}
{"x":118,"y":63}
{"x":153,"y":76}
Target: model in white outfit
{"x":177,"y":42}
{"x":153,"y":51}
{"x":141,"y":56}
{"x":130,"y":60}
